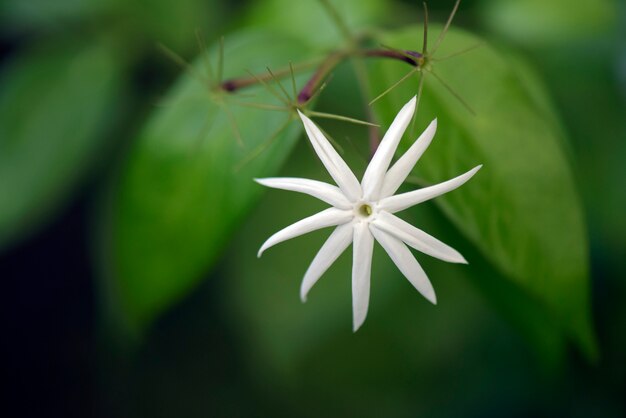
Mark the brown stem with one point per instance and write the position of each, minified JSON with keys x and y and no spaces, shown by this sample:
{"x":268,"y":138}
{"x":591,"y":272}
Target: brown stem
{"x":316,"y":79}
{"x":234,"y":84}
{"x":405,"y":56}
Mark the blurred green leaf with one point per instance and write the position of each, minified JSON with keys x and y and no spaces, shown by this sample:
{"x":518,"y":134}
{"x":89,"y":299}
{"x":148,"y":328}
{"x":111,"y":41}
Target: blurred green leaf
{"x":185,"y":185}
{"x":140,"y":22}
{"x":173,"y":23}
{"x":522,"y":209}
{"x":523,"y":310}
{"x":597,"y":131}
{"x":56,"y":106}
{"x":309,"y":20}
{"x":538,"y":22}
{"x":38,"y":14}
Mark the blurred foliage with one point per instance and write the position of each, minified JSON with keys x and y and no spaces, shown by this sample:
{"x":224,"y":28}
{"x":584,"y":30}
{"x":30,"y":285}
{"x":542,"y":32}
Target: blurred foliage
{"x":553,"y":22}
{"x":63,"y":98}
{"x":41,"y":15}
{"x":523,"y":209}
{"x":188,"y":179}
{"x":309,"y":21}
{"x":172,"y":23}
{"x":57,"y":105}
{"x":585,"y":62}
{"x":140,"y":21}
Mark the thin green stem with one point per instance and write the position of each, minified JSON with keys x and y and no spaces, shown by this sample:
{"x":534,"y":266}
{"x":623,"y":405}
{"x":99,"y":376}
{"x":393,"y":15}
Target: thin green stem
{"x":417,"y":181}
{"x":394,"y":85}
{"x":233,"y":124}
{"x":339,"y":117}
{"x":180,"y":61}
{"x":280,"y":85}
{"x":339,"y":22}
{"x":425,"y":44}
{"x":261,"y":106}
{"x":333,"y":141}
{"x":270,"y":89}
{"x":258,"y":150}
{"x":220,"y":61}
{"x":320,"y":89}
{"x":454,"y":93}
{"x":442,"y":35}
{"x":293,"y":81}
{"x":417,"y":101}
{"x":456,"y":54}
{"x":205,"y":53}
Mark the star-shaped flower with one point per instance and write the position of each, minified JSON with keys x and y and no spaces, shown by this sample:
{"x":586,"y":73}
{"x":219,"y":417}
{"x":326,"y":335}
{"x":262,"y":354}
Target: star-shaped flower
{"x":365,"y":211}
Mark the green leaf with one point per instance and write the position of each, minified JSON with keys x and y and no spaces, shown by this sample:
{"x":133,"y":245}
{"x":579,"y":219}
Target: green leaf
{"x":56,"y":106}
{"x":38,"y":14}
{"x":141,"y":23}
{"x":185,"y":185}
{"x":521,"y":309}
{"x":522,"y":209}
{"x":537,"y":23}
{"x":172,"y":23}
{"x":309,"y":19}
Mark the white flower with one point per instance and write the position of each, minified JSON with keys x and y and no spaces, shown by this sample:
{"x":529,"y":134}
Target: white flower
{"x":365,"y":211}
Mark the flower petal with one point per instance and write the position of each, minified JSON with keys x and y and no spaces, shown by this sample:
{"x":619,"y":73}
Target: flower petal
{"x":334,"y":246}
{"x":401,"y":169}
{"x":323,"y":219}
{"x":407,"y":264}
{"x":336,"y":166}
{"x":406,"y":200}
{"x":375,"y":172}
{"x":361,"y":269}
{"x":318,"y":189}
{"x":417,"y":238}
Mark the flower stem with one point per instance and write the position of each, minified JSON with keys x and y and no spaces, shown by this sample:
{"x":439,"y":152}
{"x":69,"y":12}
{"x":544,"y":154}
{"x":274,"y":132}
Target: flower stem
{"x":320,"y":74}
{"x":316,"y":82}
{"x":410,"y":57}
{"x":328,"y":64}
{"x":338,"y":20}
{"x":361,"y":77}
{"x":234,"y":84}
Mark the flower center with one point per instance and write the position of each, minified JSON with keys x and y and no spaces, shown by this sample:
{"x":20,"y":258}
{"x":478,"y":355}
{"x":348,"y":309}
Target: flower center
{"x":365,"y":210}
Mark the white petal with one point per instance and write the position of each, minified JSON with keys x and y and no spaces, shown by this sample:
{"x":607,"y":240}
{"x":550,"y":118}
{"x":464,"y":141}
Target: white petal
{"x":406,"y":200}
{"x":401,"y":169}
{"x":406,"y":263}
{"x":323,"y":219}
{"x":375,"y":172}
{"x":361,"y":269}
{"x":334,"y":246}
{"x":336,"y":166}
{"x":318,"y":189}
{"x":417,"y":238}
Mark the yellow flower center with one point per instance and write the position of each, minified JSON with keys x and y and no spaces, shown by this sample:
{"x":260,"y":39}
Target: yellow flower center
{"x":365,"y":210}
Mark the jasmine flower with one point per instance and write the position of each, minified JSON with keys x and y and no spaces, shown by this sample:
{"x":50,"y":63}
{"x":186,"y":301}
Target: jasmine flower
{"x":364,"y":211}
